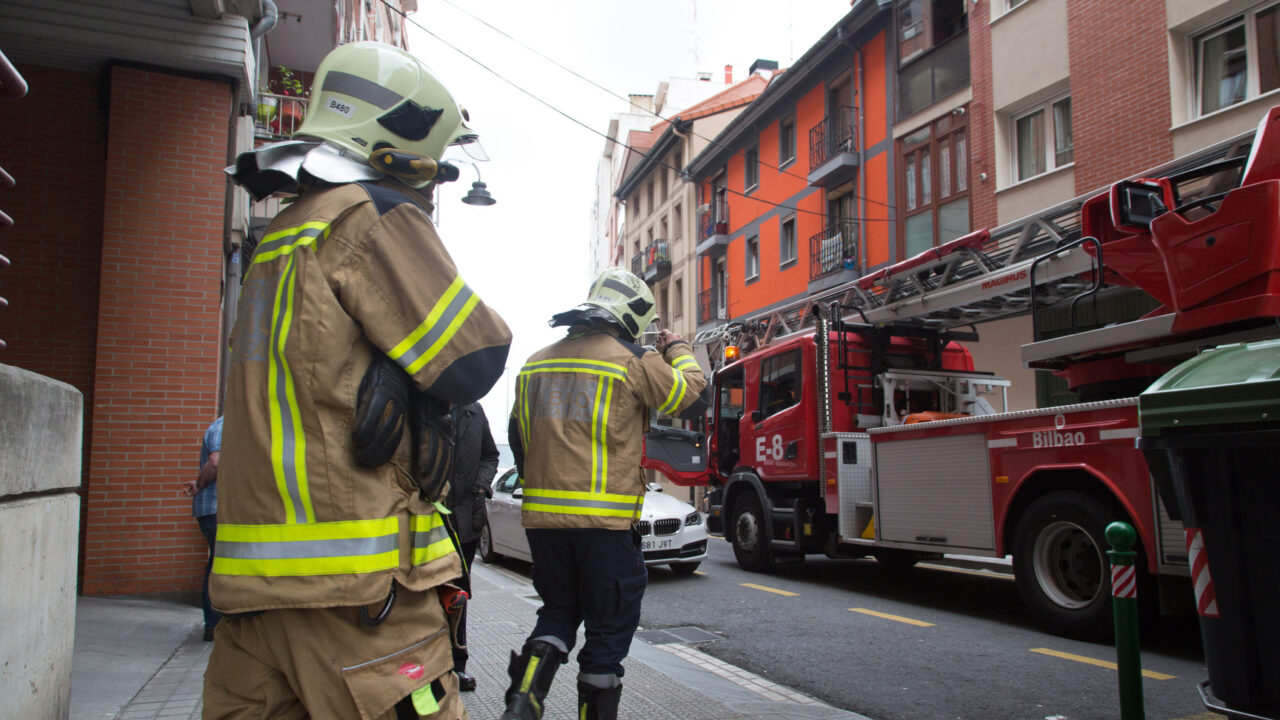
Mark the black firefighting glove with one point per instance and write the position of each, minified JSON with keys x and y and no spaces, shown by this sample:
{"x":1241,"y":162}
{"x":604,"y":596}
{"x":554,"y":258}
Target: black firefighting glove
{"x":431,"y":421}
{"x":382,"y":407}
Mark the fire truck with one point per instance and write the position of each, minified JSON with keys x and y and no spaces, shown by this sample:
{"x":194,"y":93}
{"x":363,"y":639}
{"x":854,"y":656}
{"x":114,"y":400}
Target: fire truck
{"x":854,"y":424}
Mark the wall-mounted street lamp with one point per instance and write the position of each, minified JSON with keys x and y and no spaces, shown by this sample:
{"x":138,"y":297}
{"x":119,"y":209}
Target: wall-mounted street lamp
{"x":479,"y":192}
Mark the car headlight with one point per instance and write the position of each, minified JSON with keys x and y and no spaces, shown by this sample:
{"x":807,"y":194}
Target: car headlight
{"x":693,"y":518}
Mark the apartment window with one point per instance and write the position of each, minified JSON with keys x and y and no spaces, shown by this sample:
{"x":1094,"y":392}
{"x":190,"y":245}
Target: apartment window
{"x":665,"y":180}
{"x":787,"y":242}
{"x":935,"y":184}
{"x":786,"y":141}
{"x":753,"y":258}
{"x":677,"y":307}
{"x":751,"y":170}
{"x":933,"y":51}
{"x":1042,"y":139}
{"x":649,"y":196}
{"x":1238,"y":59}
{"x":678,"y":214}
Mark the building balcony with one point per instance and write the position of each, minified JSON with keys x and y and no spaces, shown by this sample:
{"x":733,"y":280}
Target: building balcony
{"x":713,"y":305}
{"x":657,"y":263}
{"x":637,"y":264}
{"x":833,"y":149}
{"x":278,"y":116}
{"x":713,"y":230}
{"x":834,"y":250}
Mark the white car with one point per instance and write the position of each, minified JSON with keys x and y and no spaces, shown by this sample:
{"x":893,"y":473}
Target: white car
{"x":672,"y":532}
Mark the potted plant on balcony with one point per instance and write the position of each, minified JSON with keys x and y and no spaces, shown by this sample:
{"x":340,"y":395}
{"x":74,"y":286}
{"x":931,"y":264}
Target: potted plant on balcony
{"x":291,"y":111}
{"x":267,"y":106}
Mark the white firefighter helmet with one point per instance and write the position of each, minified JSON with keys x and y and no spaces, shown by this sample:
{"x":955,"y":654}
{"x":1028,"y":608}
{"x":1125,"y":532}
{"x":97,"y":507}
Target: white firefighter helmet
{"x":618,"y":297}
{"x":367,"y":95}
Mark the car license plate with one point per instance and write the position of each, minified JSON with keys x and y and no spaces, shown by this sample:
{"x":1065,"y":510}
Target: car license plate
{"x":655,"y":544}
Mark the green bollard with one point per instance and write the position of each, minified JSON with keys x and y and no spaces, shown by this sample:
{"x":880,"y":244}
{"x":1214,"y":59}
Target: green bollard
{"x":1124,"y":604}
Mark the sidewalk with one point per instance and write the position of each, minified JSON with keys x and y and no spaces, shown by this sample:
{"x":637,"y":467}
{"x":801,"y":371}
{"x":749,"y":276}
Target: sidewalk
{"x":144,"y":660}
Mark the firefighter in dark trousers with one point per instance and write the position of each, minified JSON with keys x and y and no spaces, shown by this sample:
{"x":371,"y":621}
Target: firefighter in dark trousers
{"x":475,"y":462}
{"x":582,"y":406}
{"x":355,"y":335}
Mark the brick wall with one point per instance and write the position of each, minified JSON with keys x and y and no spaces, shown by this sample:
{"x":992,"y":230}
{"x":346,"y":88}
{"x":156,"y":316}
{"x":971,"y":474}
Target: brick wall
{"x":1119,"y":89}
{"x":52,"y":144}
{"x":158,"y":326}
{"x":982,"y":193}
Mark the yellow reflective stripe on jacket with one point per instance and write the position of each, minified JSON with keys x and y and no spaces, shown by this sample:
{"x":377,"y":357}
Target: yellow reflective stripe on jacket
{"x":573,"y":502}
{"x":326,"y":548}
{"x":580,"y":365}
{"x":430,"y":538}
{"x":442,"y":323}
{"x":676,"y":396}
{"x":684,"y":362}
{"x":288,"y":442}
{"x":599,"y":430}
{"x":522,"y":406}
{"x":284,"y":242}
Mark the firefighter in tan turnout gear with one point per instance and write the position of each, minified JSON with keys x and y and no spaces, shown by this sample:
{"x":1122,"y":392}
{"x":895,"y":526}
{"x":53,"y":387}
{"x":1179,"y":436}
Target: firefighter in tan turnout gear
{"x":582,"y":406}
{"x":355,"y":334}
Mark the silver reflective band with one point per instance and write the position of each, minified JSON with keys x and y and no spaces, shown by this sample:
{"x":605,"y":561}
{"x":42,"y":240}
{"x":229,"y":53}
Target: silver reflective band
{"x":299,"y":549}
{"x":622,"y":288}
{"x":360,"y":89}
{"x":285,"y":409}
{"x":573,"y":502}
{"x":441,"y":324}
{"x":427,"y":538}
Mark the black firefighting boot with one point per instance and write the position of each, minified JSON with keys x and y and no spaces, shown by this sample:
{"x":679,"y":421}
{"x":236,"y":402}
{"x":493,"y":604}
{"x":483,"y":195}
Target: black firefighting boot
{"x":531,"y":674}
{"x":599,"y":703}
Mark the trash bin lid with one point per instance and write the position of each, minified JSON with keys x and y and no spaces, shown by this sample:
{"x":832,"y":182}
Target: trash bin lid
{"x":1229,"y":385}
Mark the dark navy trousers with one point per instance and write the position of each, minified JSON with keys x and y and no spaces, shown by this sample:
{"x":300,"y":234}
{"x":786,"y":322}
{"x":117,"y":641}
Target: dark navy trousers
{"x":590,"y":576}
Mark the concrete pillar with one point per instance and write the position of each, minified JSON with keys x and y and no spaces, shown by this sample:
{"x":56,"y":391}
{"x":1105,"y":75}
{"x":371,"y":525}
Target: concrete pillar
{"x":40,"y":441}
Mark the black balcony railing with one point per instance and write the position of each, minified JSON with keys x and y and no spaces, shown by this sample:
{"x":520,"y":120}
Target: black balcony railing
{"x":637,"y":264}
{"x":715,"y":223}
{"x":832,"y":136}
{"x":657,"y":263}
{"x":833,"y":250}
{"x":713,"y":305}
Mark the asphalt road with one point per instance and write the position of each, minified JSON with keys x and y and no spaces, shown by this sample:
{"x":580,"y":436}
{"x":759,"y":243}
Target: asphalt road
{"x":929,"y":642}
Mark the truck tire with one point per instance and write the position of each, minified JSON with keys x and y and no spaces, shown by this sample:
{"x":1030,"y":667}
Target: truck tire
{"x":487,"y":553}
{"x":1061,"y":567}
{"x":747,"y":533}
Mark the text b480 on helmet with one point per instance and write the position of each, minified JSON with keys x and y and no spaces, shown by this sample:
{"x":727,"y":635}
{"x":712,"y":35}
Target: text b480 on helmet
{"x":625,"y":298}
{"x":367,"y":94}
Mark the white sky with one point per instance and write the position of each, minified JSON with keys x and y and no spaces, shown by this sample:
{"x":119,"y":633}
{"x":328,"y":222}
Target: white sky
{"x":527,"y":256}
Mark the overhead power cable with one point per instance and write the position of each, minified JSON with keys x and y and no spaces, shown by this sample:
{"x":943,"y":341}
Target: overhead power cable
{"x":593,"y":83}
{"x":591,"y":129}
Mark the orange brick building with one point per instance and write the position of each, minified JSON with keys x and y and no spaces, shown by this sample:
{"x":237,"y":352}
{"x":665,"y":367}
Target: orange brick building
{"x":796,"y":192}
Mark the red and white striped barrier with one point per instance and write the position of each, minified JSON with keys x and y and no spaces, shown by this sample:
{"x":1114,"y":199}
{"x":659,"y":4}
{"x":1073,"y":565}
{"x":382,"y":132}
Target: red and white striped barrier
{"x":1124,"y":582}
{"x":1206,"y":597}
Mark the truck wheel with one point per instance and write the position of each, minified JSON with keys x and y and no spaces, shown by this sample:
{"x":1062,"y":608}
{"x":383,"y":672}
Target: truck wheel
{"x":1061,"y":567}
{"x":750,"y":544}
{"x":486,"y":546}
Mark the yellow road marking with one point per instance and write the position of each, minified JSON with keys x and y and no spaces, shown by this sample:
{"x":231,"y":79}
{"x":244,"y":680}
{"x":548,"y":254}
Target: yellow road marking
{"x":1100,"y":663}
{"x":775,"y":591}
{"x":895,"y":618}
{"x":979,"y":573}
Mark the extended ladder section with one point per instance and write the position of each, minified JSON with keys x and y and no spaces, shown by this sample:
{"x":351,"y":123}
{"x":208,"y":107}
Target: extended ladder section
{"x":984,"y":276}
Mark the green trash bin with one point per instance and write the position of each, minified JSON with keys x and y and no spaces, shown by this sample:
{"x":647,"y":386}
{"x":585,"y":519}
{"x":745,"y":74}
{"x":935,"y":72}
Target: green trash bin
{"x":1211,"y":436}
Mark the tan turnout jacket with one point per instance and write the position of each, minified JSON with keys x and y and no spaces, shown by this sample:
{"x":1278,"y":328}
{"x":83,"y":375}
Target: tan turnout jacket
{"x":581,"y":408}
{"x":342,"y":273}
